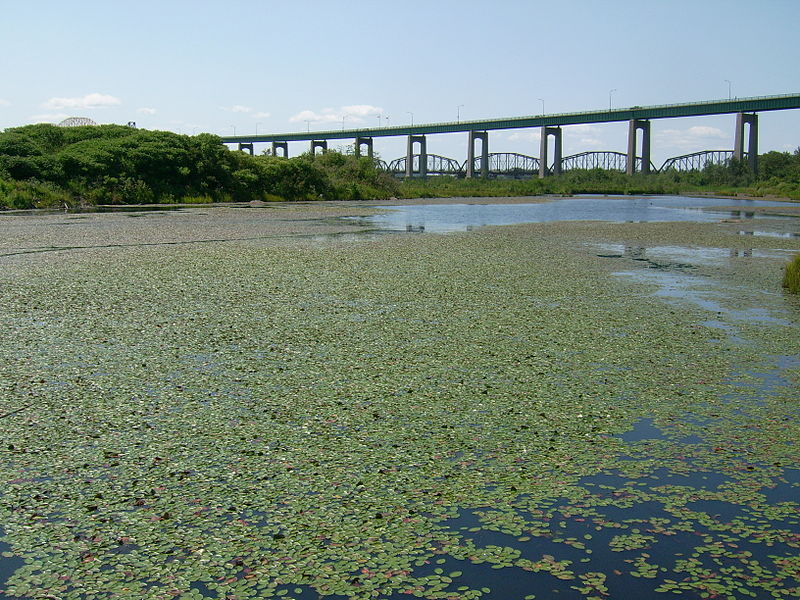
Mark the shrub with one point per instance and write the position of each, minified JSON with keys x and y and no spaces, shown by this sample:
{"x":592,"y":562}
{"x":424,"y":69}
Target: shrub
{"x":791,"y":276}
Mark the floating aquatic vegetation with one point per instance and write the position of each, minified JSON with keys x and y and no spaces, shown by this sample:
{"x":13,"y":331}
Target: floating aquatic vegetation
{"x":434,"y":416}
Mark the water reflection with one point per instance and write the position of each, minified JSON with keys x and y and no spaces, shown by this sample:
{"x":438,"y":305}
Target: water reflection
{"x":443,"y":218}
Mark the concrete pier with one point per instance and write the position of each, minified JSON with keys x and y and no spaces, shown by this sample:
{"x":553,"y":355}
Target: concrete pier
{"x":321,"y":144}
{"x":246,"y":146}
{"x":423,"y":156}
{"x":483,"y":136}
{"x":546,"y":133}
{"x":364,"y":141}
{"x":634,"y":126}
{"x":280,"y":145}
{"x":743,"y":119}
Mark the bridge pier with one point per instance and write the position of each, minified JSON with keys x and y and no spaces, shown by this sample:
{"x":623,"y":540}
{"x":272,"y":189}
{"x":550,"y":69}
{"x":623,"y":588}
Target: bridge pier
{"x":366,"y":141}
{"x":634,"y":126}
{"x":321,"y":144}
{"x":283,"y":146}
{"x":483,"y":136}
{"x":743,"y":119}
{"x":423,"y":156}
{"x":246,"y":146}
{"x":546,"y":133}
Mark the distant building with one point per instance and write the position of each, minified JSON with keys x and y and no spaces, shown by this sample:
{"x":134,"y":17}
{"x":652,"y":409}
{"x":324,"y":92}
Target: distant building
{"x":76,"y":122}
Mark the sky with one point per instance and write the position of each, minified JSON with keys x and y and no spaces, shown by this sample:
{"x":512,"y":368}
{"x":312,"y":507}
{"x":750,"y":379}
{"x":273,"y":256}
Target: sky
{"x":246,"y":66}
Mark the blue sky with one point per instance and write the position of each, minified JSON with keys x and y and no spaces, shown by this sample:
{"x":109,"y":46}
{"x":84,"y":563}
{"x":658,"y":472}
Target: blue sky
{"x":195,"y":66}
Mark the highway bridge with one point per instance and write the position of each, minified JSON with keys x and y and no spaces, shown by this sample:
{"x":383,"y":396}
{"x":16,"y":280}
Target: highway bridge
{"x":637,"y":158}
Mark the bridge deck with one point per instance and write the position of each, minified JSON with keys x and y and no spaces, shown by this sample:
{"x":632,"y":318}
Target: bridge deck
{"x":666,"y":111}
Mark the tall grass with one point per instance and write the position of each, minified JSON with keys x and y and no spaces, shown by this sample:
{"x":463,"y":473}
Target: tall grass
{"x":791,"y":276}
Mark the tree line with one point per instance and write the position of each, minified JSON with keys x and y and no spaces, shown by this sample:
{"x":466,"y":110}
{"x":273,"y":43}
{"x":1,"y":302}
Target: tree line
{"x":46,"y":166}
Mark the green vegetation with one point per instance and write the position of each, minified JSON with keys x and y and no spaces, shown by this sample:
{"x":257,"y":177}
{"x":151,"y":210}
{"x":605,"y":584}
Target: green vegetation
{"x":779,"y":175}
{"x":447,"y":417}
{"x":791,"y":276}
{"x":46,"y":166}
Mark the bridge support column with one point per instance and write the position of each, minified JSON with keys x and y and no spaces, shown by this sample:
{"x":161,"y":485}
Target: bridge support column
{"x":423,"y":156}
{"x":246,"y":146}
{"x":321,"y":144}
{"x":283,"y":146}
{"x":743,"y":119}
{"x":483,"y":136}
{"x":633,"y":127}
{"x":366,"y":141}
{"x":546,"y":133}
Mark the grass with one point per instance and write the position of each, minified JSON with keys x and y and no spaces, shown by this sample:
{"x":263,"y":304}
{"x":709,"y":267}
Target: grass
{"x":791,"y":276}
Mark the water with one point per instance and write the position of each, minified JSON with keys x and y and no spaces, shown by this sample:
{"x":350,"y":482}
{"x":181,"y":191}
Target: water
{"x":444,"y":218}
{"x":655,"y":512}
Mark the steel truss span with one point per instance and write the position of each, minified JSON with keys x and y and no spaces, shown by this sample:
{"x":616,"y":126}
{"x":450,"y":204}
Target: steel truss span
{"x":511,"y":164}
{"x":697,"y":161}
{"x":436,"y":165}
{"x":605,"y":160}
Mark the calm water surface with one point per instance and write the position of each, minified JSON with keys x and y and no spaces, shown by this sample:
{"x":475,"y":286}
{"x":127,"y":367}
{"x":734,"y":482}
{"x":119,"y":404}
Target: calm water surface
{"x":442,"y":218}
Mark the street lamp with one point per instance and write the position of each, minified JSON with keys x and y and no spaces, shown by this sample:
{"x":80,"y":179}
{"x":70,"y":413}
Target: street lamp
{"x":379,"y":120}
{"x":729,"y":88}
{"x":343,"y":117}
{"x":458,"y":113}
{"x":234,"y":130}
{"x":257,"y":124}
{"x":387,"y":120}
{"x":412,"y":117}
{"x":308,"y":125}
{"x":542,"y":101}
{"x":610,"y":93}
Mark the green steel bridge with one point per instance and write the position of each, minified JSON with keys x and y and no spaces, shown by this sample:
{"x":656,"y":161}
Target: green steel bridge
{"x":638,"y":117}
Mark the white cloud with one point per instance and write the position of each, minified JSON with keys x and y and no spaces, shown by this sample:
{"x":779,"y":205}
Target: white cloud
{"x":361,"y":110}
{"x":703,"y":131}
{"x":89,"y":101}
{"x":261,"y":115}
{"x":581,"y":131}
{"x":237,"y":108}
{"x":693,"y":138}
{"x":146,"y":111}
{"x":353,"y":114}
{"x":526,"y":135}
{"x":591,"y":142}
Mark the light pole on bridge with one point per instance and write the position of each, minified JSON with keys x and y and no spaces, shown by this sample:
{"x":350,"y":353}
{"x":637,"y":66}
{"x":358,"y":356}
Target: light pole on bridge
{"x":308,"y":125}
{"x":542,"y":101}
{"x":458,"y":113}
{"x":729,"y":88}
{"x":610,"y":95}
{"x":412,"y":117}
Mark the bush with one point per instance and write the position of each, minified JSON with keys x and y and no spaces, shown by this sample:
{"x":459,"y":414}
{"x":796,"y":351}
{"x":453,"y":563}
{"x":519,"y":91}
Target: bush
{"x":791,"y":276}
{"x":20,"y":195}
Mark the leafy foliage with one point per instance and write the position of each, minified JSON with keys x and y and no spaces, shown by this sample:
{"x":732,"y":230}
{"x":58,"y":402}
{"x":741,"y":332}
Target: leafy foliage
{"x":779,"y":175}
{"x":112,"y":164}
{"x":791,"y":276}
